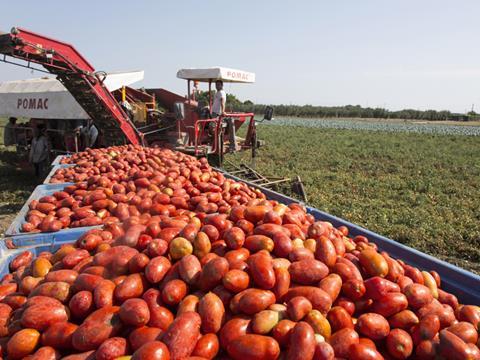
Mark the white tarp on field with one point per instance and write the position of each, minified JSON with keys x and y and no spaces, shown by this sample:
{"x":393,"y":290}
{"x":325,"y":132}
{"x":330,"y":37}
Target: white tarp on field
{"x":47,"y":98}
{"x":217,"y":73}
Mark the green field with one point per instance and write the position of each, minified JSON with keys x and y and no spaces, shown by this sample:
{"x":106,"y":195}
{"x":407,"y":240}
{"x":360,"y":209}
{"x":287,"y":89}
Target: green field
{"x":16,"y":185}
{"x":419,"y":189}
{"x":16,"y":182}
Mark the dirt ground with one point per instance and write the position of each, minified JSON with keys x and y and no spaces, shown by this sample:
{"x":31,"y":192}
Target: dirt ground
{"x":17,"y":181}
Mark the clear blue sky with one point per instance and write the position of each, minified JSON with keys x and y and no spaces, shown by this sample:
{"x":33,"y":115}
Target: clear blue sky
{"x":395,"y":53}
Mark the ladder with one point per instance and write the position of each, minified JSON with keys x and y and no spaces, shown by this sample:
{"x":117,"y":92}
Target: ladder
{"x":279,"y":184}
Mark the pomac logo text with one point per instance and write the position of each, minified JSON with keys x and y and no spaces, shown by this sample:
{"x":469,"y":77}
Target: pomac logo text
{"x":32,"y":103}
{"x":238,"y":75}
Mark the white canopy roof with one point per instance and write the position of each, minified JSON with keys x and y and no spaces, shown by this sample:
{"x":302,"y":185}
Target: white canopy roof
{"x":47,"y":98}
{"x":217,"y":73}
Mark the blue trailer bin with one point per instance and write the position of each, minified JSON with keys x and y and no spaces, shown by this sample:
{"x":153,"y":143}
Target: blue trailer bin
{"x":42,"y":190}
{"x":54,"y":170}
{"x":58,"y":159}
{"x":59,"y":237}
{"x":37,"y":243}
{"x":6,"y":256}
{"x":463,"y":284}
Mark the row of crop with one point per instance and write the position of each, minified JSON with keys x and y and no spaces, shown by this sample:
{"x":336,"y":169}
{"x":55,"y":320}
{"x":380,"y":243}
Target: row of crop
{"x":389,"y":126}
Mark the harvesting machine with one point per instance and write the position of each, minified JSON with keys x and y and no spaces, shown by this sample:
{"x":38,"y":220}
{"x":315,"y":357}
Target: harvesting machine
{"x":179,"y":123}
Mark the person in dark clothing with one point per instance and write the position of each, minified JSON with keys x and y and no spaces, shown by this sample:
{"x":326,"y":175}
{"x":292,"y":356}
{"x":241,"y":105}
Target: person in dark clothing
{"x":9,"y":136}
{"x":39,"y":151}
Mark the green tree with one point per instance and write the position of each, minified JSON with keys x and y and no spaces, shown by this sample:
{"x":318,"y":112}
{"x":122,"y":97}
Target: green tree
{"x":312,"y":111}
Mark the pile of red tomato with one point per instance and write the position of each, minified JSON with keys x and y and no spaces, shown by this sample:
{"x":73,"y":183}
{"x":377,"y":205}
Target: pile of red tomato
{"x":110,"y":185}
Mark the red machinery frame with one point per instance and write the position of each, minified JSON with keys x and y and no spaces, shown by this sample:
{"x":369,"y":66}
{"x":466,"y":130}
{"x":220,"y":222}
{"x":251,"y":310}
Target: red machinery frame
{"x":200,"y":140}
{"x":200,"y":124}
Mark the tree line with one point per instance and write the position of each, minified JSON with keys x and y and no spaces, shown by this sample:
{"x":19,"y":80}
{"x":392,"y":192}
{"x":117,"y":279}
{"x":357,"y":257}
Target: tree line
{"x":347,"y":111}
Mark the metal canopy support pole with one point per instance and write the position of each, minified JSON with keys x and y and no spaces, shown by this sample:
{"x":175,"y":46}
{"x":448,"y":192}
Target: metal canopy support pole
{"x":210,"y":95}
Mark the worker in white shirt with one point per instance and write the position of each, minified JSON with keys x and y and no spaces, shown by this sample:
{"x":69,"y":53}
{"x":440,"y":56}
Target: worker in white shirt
{"x":218,"y":109}
{"x":39,"y":151}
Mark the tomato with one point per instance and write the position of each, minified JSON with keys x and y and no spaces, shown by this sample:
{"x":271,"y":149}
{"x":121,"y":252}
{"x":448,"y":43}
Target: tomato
{"x":399,"y":344}
{"x":373,"y":325}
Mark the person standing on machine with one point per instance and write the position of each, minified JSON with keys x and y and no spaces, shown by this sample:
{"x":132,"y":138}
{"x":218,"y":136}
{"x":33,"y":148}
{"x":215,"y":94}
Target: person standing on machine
{"x":195,"y":90}
{"x":218,"y":109}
